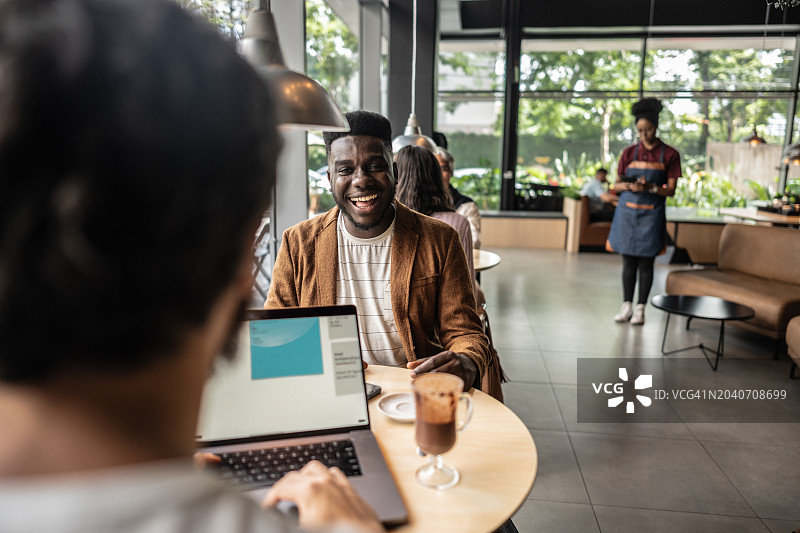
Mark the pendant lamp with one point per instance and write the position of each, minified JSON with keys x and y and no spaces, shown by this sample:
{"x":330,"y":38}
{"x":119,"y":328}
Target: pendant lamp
{"x":413,"y":133}
{"x":791,"y":154}
{"x":754,"y":139}
{"x":300,"y":102}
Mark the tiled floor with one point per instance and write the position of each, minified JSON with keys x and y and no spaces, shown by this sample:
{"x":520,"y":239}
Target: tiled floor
{"x":548,"y":308}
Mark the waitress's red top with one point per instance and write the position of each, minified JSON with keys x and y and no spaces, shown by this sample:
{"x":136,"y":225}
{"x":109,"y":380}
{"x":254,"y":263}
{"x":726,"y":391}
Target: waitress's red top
{"x":672,"y":159}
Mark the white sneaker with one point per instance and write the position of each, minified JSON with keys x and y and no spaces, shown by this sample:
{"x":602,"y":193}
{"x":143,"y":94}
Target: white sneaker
{"x":624,"y":313}
{"x":638,"y":315}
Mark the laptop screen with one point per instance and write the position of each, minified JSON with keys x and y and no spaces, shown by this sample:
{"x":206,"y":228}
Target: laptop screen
{"x":296,"y":370}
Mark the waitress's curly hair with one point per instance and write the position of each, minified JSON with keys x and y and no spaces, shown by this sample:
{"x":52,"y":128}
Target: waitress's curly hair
{"x":420,"y":185}
{"x":647,"y":108}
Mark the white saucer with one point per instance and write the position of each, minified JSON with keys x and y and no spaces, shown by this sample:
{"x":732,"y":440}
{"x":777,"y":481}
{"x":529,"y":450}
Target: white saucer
{"x":398,"y":406}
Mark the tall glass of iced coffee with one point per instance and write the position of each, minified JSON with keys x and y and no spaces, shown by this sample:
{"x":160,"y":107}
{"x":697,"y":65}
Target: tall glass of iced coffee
{"x":436,"y":396}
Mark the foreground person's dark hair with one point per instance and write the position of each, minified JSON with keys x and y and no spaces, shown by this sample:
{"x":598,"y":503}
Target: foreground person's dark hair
{"x":137,"y":150}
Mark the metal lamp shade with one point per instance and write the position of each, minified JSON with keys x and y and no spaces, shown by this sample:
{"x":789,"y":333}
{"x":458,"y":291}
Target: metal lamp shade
{"x":412,"y":135}
{"x":300,"y":101}
{"x":754,"y":139}
{"x":791,"y":154}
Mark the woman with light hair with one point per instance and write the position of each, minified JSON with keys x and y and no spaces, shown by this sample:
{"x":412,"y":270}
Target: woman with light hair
{"x":464,"y":205}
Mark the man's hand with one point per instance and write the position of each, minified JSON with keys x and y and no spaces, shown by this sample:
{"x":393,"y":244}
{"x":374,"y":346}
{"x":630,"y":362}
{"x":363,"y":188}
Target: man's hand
{"x":324,"y":499}
{"x":609,"y":198}
{"x":449,"y":362}
{"x":203,"y":460}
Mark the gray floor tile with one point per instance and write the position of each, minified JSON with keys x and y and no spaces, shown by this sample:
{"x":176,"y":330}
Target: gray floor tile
{"x":534,"y":403}
{"x":543,"y":323}
{"x":558,"y":478}
{"x":555,"y":517}
{"x":651,"y":473}
{"x":594,"y":340}
{"x":514,"y":316}
{"x":753,"y":433}
{"x":782,"y":526}
{"x":640,"y":341}
{"x":626,"y":520}
{"x":523,"y":365}
{"x":562,"y":367}
{"x":513,"y":337}
{"x":560,"y":306}
{"x":765,"y":475}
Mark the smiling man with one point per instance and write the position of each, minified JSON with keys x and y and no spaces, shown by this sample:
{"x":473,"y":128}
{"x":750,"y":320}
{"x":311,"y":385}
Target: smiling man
{"x":405,"y":272}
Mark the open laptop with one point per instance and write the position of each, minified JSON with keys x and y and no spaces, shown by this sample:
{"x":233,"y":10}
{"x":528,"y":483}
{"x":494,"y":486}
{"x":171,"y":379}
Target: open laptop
{"x":295,"y":391}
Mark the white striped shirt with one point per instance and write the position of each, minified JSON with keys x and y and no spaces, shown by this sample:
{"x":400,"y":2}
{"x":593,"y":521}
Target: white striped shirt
{"x":363,"y":279}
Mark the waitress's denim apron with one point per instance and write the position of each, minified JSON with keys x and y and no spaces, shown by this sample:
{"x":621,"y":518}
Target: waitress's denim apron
{"x":640,"y":223}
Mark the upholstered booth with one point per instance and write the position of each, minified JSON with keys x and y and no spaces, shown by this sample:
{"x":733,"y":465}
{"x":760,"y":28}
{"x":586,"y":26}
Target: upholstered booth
{"x":759,"y":266}
{"x":582,"y":232}
{"x":793,"y":343}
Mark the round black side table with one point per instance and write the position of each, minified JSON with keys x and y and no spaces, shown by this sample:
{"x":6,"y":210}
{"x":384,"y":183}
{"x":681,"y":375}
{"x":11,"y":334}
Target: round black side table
{"x":707,"y":307}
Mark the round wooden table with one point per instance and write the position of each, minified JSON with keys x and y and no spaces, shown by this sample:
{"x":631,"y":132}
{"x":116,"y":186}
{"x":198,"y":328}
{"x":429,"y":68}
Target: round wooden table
{"x":484,"y":260}
{"x":495,"y":455}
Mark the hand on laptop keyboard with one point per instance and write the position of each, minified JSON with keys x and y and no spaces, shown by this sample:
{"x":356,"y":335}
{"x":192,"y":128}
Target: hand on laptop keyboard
{"x":324,"y":498}
{"x":264,"y":467}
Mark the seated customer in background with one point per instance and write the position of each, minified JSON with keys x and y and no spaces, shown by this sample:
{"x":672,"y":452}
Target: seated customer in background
{"x":601,"y":202}
{"x":420,"y":187}
{"x":387,"y":260}
{"x":464,"y":205}
{"x":125,"y":252}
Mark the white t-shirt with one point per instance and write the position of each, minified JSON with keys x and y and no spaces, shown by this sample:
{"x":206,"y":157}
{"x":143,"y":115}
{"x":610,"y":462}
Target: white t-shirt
{"x":593,"y":189}
{"x":164,"y":497}
{"x":363,"y":279}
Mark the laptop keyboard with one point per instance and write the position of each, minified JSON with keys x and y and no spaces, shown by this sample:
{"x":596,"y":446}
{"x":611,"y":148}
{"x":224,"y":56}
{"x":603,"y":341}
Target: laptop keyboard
{"x":266,"y":466}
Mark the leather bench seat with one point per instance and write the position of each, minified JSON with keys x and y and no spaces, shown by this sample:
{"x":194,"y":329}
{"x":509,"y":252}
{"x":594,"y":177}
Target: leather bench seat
{"x":774,"y":302}
{"x":793,"y":341}
{"x":757,"y":267}
{"x":592,"y":233}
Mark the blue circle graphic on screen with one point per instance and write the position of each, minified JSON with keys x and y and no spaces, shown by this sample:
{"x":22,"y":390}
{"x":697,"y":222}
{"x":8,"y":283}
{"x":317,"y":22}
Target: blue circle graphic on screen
{"x":283,"y":348}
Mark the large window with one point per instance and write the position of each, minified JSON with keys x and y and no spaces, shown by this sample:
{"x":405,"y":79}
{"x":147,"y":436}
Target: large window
{"x":576,"y":95}
{"x":573,"y":113}
{"x":469,"y":113}
{"x":722,"y":90}
{"x":332,"y":60}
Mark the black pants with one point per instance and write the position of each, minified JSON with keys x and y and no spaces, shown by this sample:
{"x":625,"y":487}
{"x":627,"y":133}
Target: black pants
{"x":630,"y":265}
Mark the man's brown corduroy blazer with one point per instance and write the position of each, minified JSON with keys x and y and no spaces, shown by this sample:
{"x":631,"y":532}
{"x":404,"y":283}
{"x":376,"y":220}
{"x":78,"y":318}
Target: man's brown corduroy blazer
{"x":432,"y":299}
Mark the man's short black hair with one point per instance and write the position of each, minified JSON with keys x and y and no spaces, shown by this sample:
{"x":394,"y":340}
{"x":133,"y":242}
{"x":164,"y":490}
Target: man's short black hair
{"x":363,"y":123}
{"x":137,"y":152}
{"x":601,"y":169}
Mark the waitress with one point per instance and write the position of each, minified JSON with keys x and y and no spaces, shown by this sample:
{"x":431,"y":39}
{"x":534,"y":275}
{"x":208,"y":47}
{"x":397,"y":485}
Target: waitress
{"x":647,"y":173}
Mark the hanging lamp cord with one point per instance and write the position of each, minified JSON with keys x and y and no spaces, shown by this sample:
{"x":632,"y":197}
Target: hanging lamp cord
{"x":414,"y":60}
